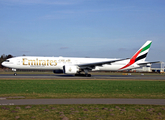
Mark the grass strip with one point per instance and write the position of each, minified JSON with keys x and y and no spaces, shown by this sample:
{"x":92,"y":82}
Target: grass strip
{"x":82,"y":89}
{"x":87,"y":112}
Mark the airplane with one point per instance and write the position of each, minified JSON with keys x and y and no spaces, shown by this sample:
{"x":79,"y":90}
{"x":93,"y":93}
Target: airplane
{"x":73,"y":65}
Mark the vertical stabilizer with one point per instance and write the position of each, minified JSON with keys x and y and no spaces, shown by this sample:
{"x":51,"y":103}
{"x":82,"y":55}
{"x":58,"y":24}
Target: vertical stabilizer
{"x":140,"y":55}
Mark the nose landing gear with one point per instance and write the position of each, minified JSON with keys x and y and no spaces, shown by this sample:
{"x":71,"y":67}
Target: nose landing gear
{"x":14,"y":70}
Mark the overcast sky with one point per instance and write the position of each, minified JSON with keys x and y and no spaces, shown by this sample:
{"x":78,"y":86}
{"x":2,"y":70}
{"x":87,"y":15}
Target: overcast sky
{"x":82,"y":28}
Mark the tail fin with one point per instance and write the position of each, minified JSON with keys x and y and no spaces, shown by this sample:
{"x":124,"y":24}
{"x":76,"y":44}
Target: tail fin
{"x":140,"y":55}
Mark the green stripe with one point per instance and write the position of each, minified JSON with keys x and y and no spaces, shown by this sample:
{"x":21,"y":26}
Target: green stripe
{"x":146,"y":47}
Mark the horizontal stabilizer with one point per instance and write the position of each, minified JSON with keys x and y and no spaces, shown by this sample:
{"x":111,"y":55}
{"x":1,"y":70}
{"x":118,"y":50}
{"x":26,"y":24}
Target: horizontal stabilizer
{"x":145,"y":63}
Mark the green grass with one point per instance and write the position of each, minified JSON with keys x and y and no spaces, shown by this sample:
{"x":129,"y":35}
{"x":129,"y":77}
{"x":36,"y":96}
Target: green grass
{"x":83,"y":112}
{"x":82,"y":88}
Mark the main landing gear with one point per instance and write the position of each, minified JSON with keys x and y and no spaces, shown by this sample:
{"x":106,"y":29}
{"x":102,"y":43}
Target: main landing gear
{"x":86,"y":74}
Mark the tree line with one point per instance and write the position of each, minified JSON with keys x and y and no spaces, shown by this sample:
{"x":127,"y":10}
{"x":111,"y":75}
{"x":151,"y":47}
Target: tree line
{"x":3,"y":58}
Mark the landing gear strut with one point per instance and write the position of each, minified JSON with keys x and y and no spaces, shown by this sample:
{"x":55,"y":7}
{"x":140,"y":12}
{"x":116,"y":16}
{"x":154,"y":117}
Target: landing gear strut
{"x":86,"y":73}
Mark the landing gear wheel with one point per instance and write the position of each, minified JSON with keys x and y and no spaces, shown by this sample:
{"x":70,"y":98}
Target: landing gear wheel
{"x":88,"y":75}
{"x":15,"y":74}
{"x":82,"y":75}
{"x":79,"y":75}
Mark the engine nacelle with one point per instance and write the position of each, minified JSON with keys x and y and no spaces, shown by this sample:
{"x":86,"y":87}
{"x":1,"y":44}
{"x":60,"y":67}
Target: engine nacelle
{"x":58,"y":71}
{"x":70,"y":69}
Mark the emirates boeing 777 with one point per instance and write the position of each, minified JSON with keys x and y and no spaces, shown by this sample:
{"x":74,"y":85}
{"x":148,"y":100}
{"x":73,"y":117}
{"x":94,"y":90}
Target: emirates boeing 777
{"x":71,"y":65}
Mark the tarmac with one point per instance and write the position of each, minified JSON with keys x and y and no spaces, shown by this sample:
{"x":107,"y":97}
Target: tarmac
{"x":62,"y":76}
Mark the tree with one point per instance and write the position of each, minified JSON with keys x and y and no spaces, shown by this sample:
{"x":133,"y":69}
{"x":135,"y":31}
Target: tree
{"x":9,"y":56}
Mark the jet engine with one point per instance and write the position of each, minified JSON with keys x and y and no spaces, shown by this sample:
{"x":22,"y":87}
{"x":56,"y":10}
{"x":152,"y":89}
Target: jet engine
{"x":58,"y":71}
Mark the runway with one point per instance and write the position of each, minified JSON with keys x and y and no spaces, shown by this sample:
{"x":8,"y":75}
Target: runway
{"x":62,"y":76}
{"x":82,"y":101}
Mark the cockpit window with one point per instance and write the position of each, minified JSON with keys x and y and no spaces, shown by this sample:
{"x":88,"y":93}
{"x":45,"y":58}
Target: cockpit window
{"x":7,"y":61}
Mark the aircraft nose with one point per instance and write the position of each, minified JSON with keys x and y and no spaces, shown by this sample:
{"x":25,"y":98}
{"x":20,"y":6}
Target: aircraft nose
{"x":3,"y":63}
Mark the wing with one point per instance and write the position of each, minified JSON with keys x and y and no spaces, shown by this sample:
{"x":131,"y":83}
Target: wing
{"x":93,"y":65}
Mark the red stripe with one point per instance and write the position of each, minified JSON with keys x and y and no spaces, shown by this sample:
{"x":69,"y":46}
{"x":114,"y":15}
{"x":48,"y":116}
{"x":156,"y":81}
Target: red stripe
{"x":132,"y":60}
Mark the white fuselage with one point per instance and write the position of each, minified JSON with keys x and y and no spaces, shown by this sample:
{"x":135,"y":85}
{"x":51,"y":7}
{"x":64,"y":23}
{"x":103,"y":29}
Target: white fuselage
{"x":57,"y":63}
